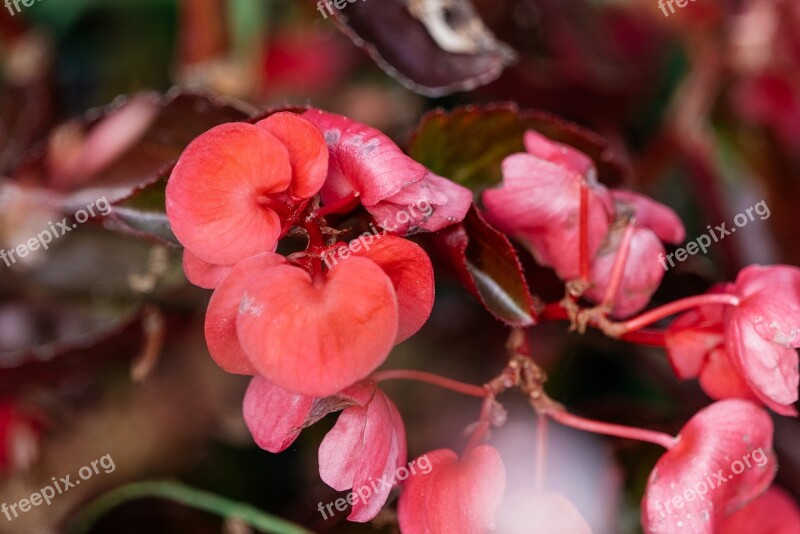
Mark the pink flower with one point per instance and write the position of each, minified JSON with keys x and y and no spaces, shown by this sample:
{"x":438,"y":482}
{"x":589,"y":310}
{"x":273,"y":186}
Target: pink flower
{"x":722,"y":460}
{"x":364,"y":451}
{"x":538,"y":203}
{"x":275,"y":416}
{"x":399,"y":192}
{"x":456,"y":495}
{"x":748,"y":350}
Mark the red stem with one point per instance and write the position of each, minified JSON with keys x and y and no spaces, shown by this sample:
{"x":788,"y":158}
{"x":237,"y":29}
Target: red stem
{"x":650,"y":338}
{"x":482,"y":428}
{"x":618,"y":270}
{"x":609,"y":429}
{"x":430,"y":378}
{"x":672,"y":308}
{"x":584,"y":232}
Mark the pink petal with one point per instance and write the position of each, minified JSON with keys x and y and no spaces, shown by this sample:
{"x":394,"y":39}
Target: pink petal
{"x":642,"y":274}
{"x":202,"y":274}
{"x":774,"y":512}
{"x":220,"y":324}
{"x":367,"y":443}
{"x":693,"y":335}
{"x":654,"y":215}
{"x":769,"y":368}
{"x":308,"y":153}
{"x":721,"y":380}
{"x":559,"y":153}
{"x":771,"y":301}
{"x":456,"y":495}
{"x":538,"y":203}
{"x":411,"y":273}
{"x":273,"y":415}
{"x":216,"y":191}
{"x":318,"y":337}
{"x":362,"y":160}
{"x":428,"y":205}
{"x":706,"y":475}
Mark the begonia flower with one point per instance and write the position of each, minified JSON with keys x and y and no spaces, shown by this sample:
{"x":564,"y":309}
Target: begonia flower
{"x":774,"y":512}
{"x":722,"y":460}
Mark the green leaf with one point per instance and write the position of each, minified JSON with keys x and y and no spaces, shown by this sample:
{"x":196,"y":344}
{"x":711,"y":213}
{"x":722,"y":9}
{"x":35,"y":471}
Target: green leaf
{"x":469,"y":144}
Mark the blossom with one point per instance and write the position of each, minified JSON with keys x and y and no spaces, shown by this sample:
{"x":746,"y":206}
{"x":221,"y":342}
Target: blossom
{"x":652,"y":223}
{"x":273,"y":415}
{"x":392,"y":187}
{"x":538,"y":203}
{"x":234,"y":187}
{"x":747,"y":350}
{"x":774,"y":512}
{"x":457,"y":495}
{"x":364,"y":450}
{"x":721,"y":460}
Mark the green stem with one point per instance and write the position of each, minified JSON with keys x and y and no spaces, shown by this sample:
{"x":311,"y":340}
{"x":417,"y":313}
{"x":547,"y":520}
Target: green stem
{"x":186,"y":495}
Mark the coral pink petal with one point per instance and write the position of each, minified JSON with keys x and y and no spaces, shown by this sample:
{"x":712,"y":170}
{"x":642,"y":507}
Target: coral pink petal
{"x":721,"y":380}
{"x":538,"y":203}
{"x":317,"y":338}
{"x":456,"y":495}
{"x":214,"y":195}
{"x":550,"y":512}
{"x":559,"y":153}
{"x":428,"y":205}
{"x":653,"y":215}
{"x":692,"y":335}
{"x":771,"y":301}
{"x":362,"y":160}
{"x":308,"y":153}
{"x":722,"y":460}
{"x":774,"y":512}
{"x":770,"y":369}
{"x":202,"y":274}
{"x":273,"y":415}
{"x":411,"y":273}
{"x":220,"y":324}
{"x":641,"y":277}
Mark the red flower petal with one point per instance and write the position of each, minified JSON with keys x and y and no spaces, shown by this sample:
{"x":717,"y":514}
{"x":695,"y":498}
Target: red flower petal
{"x":428,"y":205}
{"x":769,"y":368}
{"x":362,"y":160}
{"x":559,"y":153}
{"x":722,"y":460}
{"x":273,"y":415}
{"x":653,"y":215}
{"x":721,"y":380}
{"x":202,"y":274}
{"x":318,"y":337}
{"x":775,"y":512}
{"x":771,"y":301}
{"x":308,"y":153}
{"x":367,"y":444}
{"x":694,"y":334}
{"x":216,"y":192}
{"x":455,"y":495}
{"x":220,"y":325}
{"x":411,"y":273}
{"x":538,"y":203}
{"x":642,"y":274}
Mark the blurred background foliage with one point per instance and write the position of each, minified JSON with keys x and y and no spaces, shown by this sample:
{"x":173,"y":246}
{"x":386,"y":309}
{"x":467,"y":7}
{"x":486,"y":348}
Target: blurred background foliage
{"x":101,"y":343}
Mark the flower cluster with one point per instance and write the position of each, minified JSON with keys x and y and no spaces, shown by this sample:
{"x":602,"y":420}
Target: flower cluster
{"x":545,"y":195}
{"x":310,"y":331}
